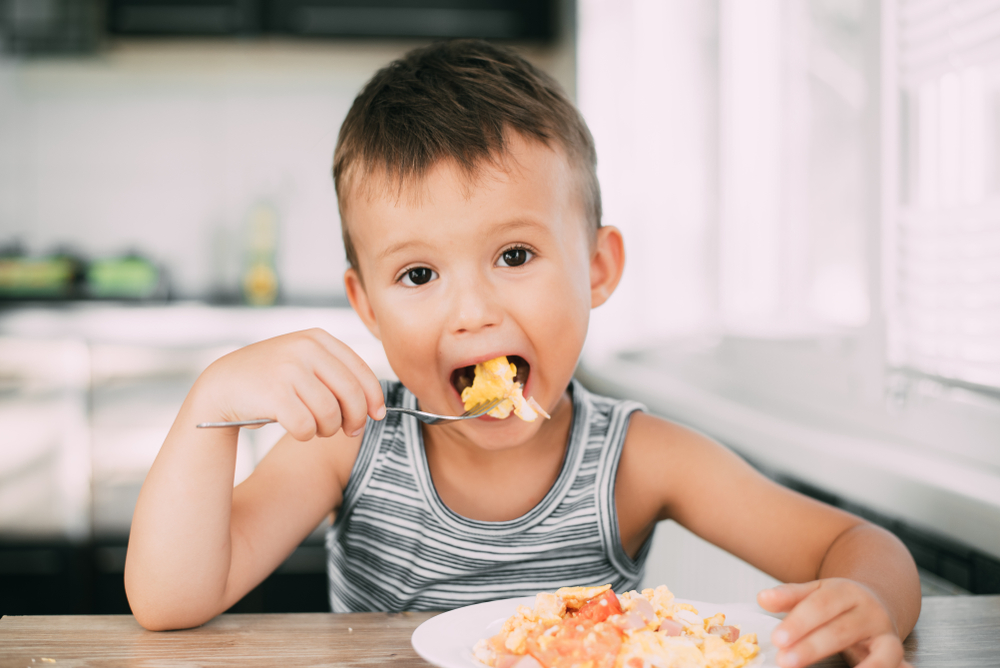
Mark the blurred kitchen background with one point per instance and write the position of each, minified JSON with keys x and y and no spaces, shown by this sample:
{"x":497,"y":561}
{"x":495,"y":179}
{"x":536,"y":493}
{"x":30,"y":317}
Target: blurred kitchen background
{"x":809,"y":191}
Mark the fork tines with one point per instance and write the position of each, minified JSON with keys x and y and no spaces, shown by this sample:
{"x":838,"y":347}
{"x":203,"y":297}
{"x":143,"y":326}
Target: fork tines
{"x":485,"y":407}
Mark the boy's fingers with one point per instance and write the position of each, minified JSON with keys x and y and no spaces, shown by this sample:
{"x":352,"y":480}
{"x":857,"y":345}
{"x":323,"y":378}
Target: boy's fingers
{"x":324,"y":406}
{"x":823,"y":641}
{"x":345,"y":387}
{"x":296,"y":418}
{"x":816,"y":609}
{"x":884,"y":651}
{"x":785,"y":597}
{"x":370,"y":386}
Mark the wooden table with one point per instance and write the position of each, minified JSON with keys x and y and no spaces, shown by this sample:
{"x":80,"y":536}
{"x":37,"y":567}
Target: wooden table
{"x":958,"y":632}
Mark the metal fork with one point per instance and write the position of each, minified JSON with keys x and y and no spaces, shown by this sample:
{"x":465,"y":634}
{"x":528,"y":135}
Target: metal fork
{"x":427,"y":418}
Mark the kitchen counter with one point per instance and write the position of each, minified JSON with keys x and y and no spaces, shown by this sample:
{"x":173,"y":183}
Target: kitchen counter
{"x":88,"y":391}
{"x":182,"y":324}
{"x":956,"y":632}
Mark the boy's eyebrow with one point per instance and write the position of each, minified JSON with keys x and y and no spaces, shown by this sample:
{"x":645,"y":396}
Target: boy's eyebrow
{"x":517,"y":223}
{"x":401,"y":246}
{"x":507,"y":226}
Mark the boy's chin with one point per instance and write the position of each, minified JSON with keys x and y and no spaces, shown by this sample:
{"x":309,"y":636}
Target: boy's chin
{"x":493,"y":434}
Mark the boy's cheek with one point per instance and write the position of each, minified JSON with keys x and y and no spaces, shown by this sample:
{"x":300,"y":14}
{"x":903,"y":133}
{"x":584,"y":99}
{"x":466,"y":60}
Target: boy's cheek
{"x":560,"y":317}
{"x":412,"y":356}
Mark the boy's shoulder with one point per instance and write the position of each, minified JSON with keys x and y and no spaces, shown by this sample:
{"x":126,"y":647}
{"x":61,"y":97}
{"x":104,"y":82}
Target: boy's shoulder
{"x":658,"y":440}
{"x":646,"y":432}
{"x":653,"y":443}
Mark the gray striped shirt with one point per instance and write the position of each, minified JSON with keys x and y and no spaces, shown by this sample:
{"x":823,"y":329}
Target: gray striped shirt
{"x":396,"y":546}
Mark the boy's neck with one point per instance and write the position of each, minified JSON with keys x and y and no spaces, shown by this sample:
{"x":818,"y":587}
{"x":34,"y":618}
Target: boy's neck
{"x":498,"y":485}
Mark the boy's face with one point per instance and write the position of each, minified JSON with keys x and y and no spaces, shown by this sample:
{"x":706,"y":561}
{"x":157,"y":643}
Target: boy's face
{"x":458,"y":272}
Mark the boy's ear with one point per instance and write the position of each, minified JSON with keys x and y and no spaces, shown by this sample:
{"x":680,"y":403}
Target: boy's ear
{"x":606,"y":264}
{"x":359,"y":300}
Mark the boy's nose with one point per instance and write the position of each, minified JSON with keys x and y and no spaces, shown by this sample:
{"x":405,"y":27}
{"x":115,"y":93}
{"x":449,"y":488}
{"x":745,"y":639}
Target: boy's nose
{"x":475,"y":307}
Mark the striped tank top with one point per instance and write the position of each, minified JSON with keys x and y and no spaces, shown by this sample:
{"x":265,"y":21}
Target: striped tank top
{"x":396,"y":546}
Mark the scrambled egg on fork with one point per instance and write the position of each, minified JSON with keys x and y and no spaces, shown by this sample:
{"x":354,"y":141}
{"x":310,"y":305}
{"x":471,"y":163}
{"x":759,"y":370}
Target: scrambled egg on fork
{"x":495,"y":378}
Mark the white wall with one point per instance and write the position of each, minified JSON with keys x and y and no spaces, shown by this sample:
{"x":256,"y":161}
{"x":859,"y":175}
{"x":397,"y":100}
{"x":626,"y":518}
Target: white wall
{"x":165,"y":146}
{"x":647,"y":80}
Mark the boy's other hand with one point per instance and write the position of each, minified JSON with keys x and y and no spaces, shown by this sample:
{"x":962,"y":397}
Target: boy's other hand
{"x":830,"y":616}
{"x":311,"y":383}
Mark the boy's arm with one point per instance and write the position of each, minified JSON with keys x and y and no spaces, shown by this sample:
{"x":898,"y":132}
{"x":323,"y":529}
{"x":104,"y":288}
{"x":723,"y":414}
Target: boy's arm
{"x":859,"y":592}
{"x":197,"y":545}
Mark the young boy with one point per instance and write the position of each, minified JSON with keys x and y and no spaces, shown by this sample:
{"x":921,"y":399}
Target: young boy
{"x":471,"y":217}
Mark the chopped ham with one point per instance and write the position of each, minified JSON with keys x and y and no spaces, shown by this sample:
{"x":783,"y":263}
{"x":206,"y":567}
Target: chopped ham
{"x":629,"y":621}
{"x":727,"y":633}
{"x":671,"y":627}
{"x":645,"y":608}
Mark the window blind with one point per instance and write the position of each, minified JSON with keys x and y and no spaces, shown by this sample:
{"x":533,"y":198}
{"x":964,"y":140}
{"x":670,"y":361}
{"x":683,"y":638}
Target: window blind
{"x":944,"y":249}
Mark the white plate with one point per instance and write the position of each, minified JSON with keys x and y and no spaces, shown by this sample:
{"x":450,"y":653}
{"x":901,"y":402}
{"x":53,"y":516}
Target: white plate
{"x":447,"y":640}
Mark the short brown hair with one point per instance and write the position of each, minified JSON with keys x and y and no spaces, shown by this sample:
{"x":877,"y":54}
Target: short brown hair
{"x":457,"y":100}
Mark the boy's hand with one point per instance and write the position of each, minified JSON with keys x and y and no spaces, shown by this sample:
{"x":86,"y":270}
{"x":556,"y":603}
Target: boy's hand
{"x":829,"y":616}
{"x":308,"y":381}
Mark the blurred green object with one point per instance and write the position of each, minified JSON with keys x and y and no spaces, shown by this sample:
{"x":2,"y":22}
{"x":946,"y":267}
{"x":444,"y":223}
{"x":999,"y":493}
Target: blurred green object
{"x":37,"y":278}
{"x":122,"y":278}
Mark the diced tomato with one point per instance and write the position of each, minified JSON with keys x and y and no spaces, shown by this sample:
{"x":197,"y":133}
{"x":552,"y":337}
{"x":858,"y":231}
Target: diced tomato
{"x":634,"y":662}
{"x":599,"y":608}
{"x":575,"y":642}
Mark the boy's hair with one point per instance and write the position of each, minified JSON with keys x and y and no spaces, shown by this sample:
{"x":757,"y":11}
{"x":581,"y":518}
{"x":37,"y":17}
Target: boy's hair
{"x":457,"y":100}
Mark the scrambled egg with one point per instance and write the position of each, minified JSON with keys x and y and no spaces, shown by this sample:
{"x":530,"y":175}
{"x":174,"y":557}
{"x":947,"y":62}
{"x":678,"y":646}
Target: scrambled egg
{"x":648,"y":630}
{"x":495,"y":378}
{"x":575,"y":597}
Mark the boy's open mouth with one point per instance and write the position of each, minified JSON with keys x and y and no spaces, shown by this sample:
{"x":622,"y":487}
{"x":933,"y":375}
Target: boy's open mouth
{"x":462,"y":377}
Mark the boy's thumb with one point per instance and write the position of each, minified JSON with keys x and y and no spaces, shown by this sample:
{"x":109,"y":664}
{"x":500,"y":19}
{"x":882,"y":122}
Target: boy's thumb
{"x":786,"y":596}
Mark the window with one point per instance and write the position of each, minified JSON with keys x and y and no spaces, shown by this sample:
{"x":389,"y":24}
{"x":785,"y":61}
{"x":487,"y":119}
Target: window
{"x":789,"y":169}
{"x":810,"y":196}
{"x":943,"y":264}
{"x":735,"y":151}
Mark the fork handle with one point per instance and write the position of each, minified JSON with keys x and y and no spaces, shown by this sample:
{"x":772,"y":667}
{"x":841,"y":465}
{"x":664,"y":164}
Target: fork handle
{"x":259,"y":421}
{"x":475,"y":411}
{"x":241,"y":423}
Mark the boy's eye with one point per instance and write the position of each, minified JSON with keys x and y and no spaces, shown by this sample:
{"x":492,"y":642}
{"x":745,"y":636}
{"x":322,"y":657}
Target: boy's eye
{"x":514,"y":257}
{"x":418,"y":276}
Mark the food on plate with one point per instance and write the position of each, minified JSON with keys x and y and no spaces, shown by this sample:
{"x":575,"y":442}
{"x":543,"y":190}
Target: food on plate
{"x":495,"y":378}
{"x":592,"y":627}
